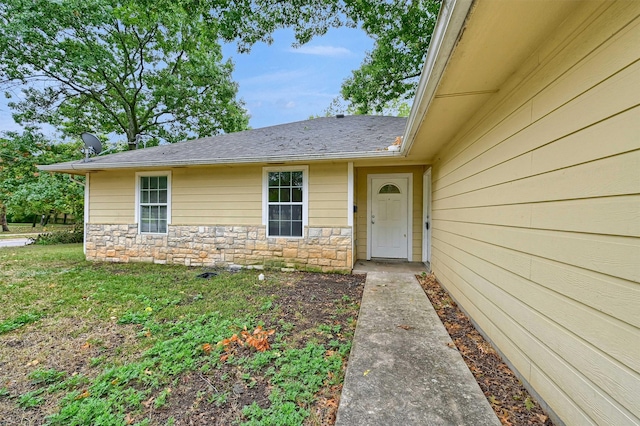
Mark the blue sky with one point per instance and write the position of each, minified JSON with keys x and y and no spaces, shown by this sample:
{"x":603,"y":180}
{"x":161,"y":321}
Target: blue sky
{"x":280,"y":84}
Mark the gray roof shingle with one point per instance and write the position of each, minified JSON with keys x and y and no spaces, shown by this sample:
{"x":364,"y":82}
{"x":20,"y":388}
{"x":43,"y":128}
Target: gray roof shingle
{"x":350,"y":137}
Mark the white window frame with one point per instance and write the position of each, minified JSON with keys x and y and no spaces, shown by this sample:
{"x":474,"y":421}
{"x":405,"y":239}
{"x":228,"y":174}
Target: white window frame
{"x":159,"y":173}
{"x":305,"y":196}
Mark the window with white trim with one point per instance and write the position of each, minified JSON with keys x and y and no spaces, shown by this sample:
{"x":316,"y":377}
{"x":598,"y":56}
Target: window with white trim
{"x":153,"y":202}
{"x":286,"y":199}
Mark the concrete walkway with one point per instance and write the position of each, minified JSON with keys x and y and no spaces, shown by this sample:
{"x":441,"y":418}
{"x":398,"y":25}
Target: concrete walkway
{"x":402,"y":369}
{"x":14,"y":242}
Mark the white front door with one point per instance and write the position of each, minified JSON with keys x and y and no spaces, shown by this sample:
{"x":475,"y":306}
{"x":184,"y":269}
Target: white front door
{"x":389,"y":221}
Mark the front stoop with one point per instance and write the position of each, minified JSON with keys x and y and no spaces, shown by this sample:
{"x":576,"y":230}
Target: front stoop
{"x":403,"y":368}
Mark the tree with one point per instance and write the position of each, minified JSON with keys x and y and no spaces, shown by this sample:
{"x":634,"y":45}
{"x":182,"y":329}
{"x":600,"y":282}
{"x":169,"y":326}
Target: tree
{"x":134,"y":67}
{"x":26,"y":191}
{"x":401,"y":29}
{"x":389,"y":73}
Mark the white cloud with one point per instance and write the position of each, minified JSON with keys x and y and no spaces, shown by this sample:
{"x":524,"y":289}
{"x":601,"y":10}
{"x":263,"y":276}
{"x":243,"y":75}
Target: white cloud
{"x":321,"y":50}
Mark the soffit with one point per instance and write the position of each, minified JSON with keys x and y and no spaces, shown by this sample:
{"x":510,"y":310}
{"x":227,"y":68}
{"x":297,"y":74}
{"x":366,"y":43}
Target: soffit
{"x":498,"y":38}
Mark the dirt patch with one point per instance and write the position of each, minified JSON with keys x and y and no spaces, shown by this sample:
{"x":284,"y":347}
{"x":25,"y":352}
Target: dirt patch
{"x":511,"y":402}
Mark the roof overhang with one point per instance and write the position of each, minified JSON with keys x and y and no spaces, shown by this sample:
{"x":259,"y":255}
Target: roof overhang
{"x":476,"y":47}
{"x":81,"y":167}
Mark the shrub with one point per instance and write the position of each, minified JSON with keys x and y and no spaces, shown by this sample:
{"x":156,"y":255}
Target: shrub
{"x":75,"y":235}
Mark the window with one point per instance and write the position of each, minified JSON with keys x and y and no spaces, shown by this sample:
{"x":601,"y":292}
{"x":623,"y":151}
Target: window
{"x":389,"y":189}
{"x":153,"y":202}
{"x":285,"y":196}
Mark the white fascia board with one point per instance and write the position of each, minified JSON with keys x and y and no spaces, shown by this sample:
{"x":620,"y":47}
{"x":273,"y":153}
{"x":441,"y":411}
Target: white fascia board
{"x":88,"y":166}
{"x":451,"y":20}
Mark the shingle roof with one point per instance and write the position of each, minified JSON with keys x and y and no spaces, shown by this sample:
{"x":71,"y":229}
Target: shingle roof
{"x":350,"y":137}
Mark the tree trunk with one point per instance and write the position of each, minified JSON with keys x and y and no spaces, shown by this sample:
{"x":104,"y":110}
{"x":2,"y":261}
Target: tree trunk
{"x":3,"y":218}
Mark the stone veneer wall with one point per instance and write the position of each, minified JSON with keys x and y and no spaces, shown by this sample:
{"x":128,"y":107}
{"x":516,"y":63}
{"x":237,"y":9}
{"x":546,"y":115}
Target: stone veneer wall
{"x":326,"y":249}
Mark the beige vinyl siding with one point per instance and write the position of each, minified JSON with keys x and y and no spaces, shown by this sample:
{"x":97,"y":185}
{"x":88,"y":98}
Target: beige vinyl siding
{"x":328,"y":194}
{"x":112,"y":197}
{"x":536,"y":218}
{"x":217,"y":196}
{"x":361,"y":195}
{"x":229,"y":195}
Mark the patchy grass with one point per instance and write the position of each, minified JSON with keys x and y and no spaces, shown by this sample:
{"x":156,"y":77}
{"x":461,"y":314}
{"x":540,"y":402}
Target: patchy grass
{"x":103,"y":343}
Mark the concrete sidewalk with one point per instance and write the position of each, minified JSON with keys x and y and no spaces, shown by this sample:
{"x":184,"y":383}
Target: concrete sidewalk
{"x":14,"y":242}
{"x":402,"y":369}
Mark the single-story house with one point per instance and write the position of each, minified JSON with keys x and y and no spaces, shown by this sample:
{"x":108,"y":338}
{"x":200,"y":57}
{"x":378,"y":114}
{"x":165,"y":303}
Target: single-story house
{"x":288,"y":195}
{"x":516,"y":178}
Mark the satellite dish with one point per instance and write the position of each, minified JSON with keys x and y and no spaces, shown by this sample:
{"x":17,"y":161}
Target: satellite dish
{"x":91,"y":142}
{"x":92,"y":145}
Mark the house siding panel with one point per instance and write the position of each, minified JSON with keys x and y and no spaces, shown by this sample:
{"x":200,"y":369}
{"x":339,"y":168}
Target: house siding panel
{"x":217,"y":196}
{"x":536,"y":216}
{"x":112,"y":197}
{"x":328,"y":194}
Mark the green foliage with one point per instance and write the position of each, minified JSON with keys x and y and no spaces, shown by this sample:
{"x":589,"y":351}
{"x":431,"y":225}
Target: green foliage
{"x":529,"y":404}
{"x":24,"y":191}
{"x":46,"y":377}
{"x":286,"y":413}
{"x":389,"y":73}
{"x":31,"y":399}
{"x":17,"y":322}
{"x":152,"y":68}
{"x":119,"y":389}
{"x":296,"y":376}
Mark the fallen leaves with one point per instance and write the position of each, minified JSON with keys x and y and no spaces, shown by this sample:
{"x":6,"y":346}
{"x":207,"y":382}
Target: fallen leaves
{"x":508,"y":398}
{"x":258,"y":339}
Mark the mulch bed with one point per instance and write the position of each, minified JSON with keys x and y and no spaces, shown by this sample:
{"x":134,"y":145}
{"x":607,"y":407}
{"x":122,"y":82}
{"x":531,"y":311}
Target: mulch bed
{"x":509,"y":399}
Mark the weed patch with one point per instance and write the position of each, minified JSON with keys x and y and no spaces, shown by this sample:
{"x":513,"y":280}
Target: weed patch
{"x":19,"y":321}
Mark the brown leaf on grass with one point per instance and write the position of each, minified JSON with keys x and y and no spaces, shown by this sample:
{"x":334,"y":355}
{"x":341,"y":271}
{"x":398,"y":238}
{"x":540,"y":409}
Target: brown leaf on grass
{"x":148,"y":402}
{"x":85,"y":394}
{"x":206,"y":348}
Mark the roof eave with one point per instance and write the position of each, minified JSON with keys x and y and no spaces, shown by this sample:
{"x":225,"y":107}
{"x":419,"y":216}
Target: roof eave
{"x":449,"y":25}
{"x":81,"y":167}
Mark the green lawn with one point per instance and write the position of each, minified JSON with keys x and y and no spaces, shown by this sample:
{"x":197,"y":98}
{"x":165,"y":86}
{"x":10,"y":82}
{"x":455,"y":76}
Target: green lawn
{"x":116,"y":344}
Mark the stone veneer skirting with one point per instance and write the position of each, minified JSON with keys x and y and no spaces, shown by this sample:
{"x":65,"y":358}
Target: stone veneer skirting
{"x":326,"y":249}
